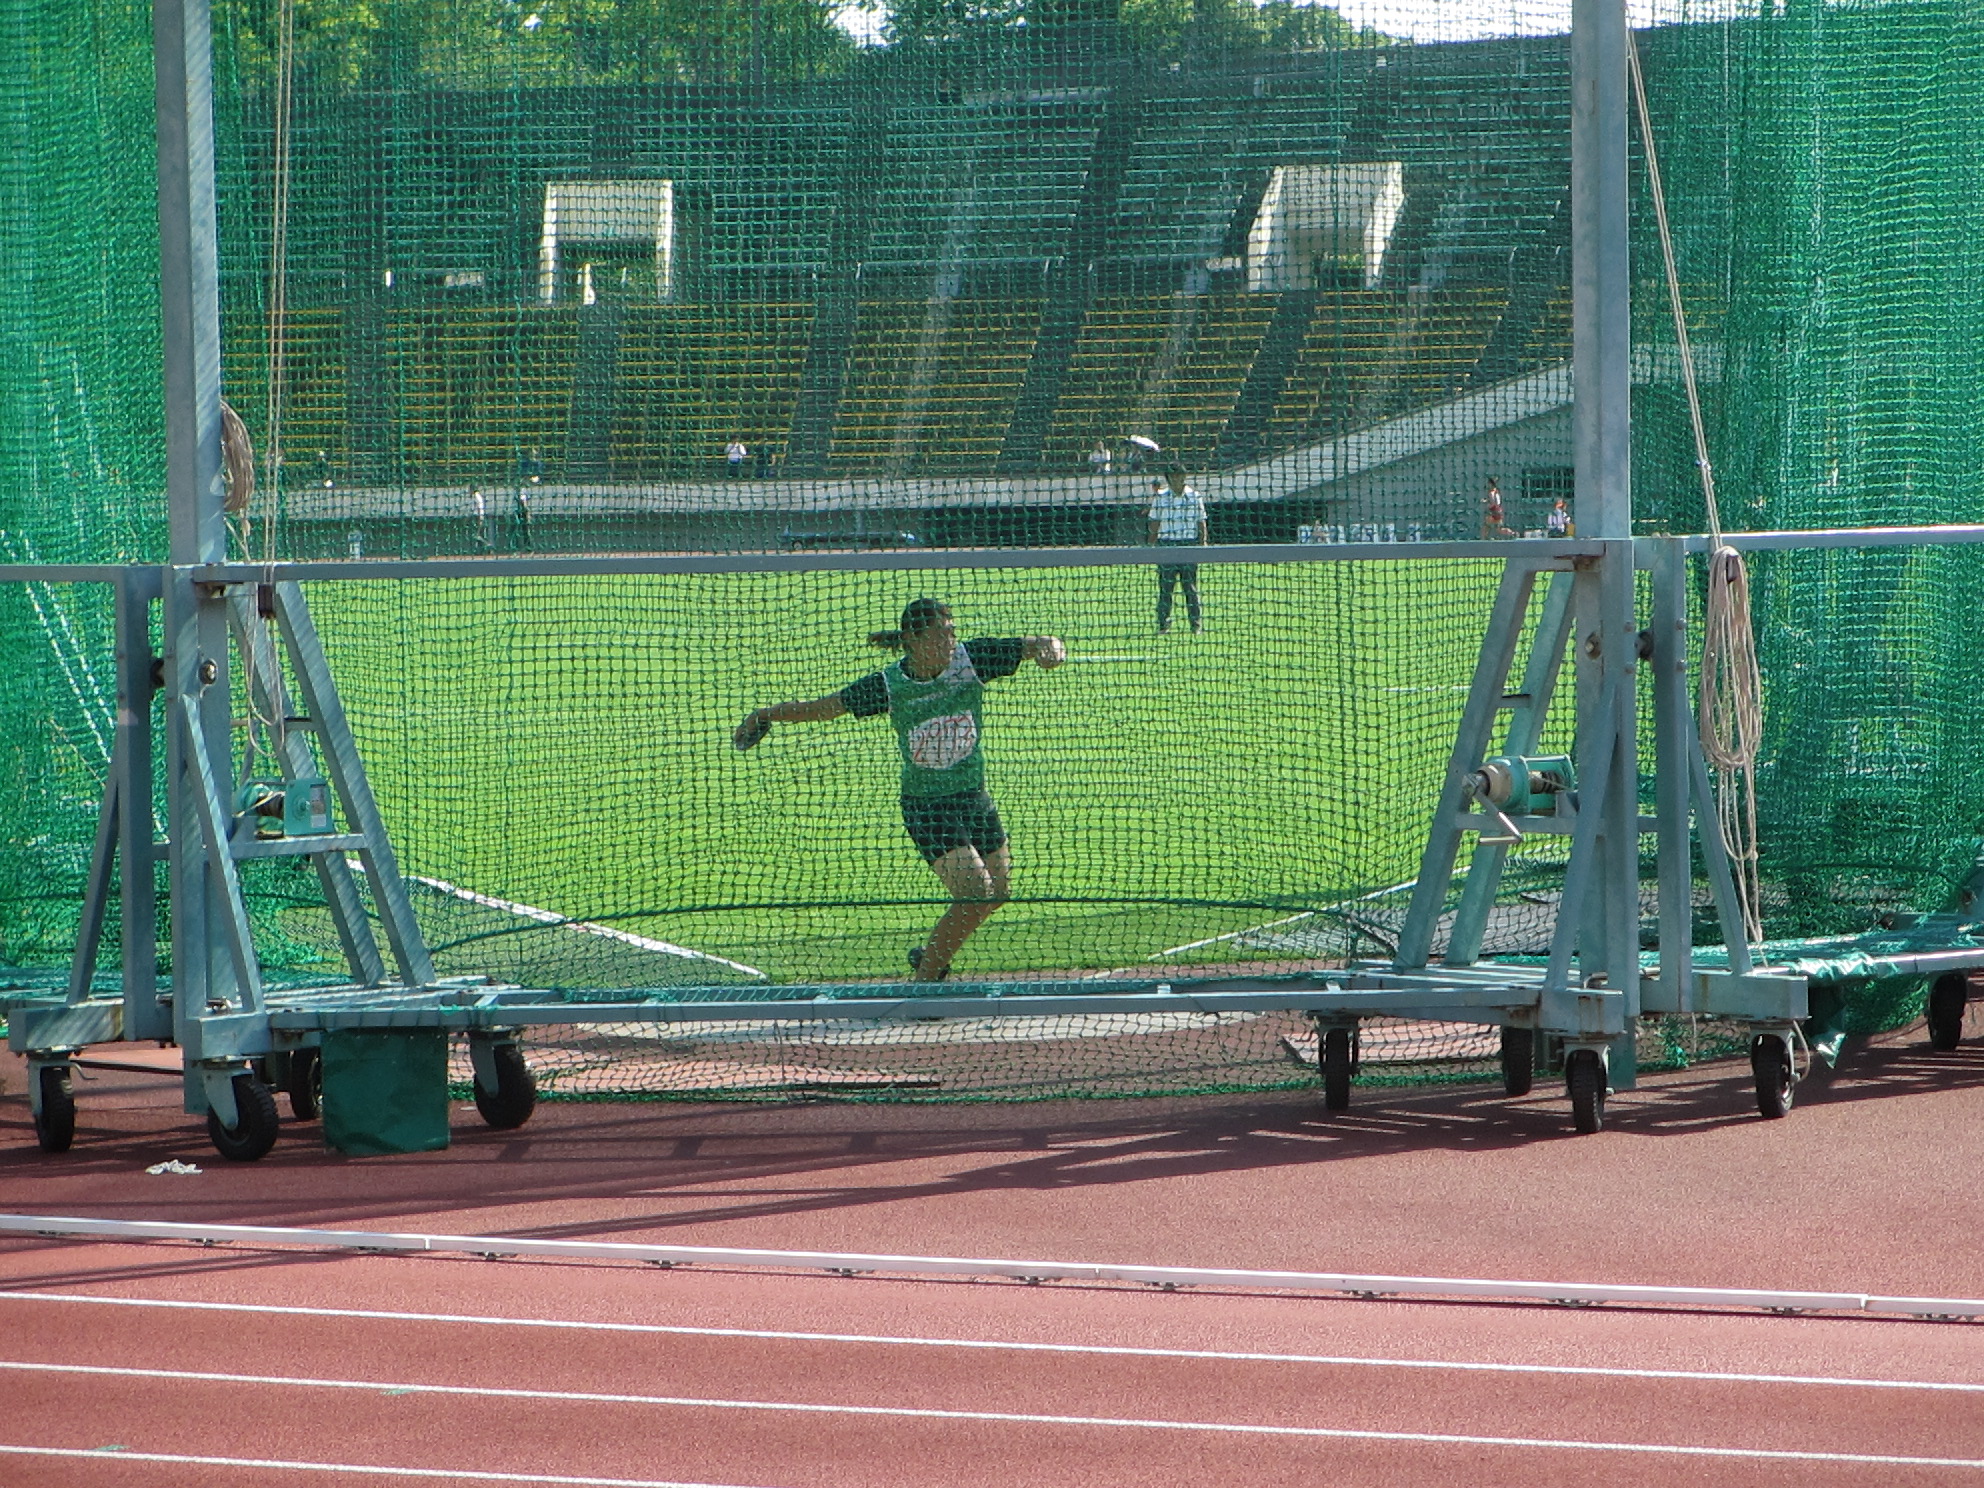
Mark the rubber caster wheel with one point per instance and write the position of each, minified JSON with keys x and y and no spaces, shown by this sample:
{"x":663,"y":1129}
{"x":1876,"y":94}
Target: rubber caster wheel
{"x":1584,"y":1075}
{"x":305,"y":1087}
{"x":509,"y":1105}
{"x":254,"y":1131}
{"x":1518,"y":1060}
{"x":1337,"y":1069}
{"x":1946,"y":1002}
{"x":1770,"y":1063}
{"x":55,"y":1122}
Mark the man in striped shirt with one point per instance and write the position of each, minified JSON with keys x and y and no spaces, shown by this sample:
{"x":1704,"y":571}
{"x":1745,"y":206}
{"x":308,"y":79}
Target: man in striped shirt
{"x":1177,"y":518}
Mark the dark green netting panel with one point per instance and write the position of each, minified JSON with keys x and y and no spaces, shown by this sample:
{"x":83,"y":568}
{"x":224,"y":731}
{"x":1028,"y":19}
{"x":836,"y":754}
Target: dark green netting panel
{"x":605,"y":276}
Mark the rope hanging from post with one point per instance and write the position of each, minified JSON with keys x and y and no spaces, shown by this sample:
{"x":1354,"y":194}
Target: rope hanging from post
{"x":237,"y":461}
{"x":1730,"y":708}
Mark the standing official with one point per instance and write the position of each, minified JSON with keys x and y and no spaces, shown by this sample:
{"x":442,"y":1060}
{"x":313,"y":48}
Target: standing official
{"x":1177,"y":518}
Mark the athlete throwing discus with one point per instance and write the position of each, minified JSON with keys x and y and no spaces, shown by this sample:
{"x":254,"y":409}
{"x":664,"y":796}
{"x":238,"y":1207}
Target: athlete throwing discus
{"x":932,"y":697}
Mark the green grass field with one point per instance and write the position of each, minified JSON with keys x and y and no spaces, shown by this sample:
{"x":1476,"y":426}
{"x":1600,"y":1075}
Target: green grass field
{"x":565,"y":744}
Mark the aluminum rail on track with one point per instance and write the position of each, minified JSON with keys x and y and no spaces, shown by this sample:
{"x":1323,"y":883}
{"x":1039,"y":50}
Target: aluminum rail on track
{"x":1571,"y":1294}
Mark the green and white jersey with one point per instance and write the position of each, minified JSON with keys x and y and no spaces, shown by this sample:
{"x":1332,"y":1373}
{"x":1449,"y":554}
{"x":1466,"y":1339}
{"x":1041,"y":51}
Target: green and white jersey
{"x":937,"y":719}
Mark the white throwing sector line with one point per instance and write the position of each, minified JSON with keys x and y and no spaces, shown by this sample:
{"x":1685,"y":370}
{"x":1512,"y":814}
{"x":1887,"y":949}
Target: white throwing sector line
{"x":840,"y":1264}
{"x":1288,"y":920}
{"x":1107,"y":1350}
{"x":278,"y":1464}
{"x":584,"y":927}
{"x":1016,"y":1418}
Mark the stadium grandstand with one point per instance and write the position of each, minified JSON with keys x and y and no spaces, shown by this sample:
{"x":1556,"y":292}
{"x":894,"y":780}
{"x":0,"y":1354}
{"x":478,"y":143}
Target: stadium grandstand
{"x":920,"y":302}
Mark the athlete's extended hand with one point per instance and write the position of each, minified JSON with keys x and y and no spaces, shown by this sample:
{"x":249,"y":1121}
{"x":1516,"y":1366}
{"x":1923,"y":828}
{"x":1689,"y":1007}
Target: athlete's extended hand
{"x":754,"y":727}
{"x":1049,"y":652}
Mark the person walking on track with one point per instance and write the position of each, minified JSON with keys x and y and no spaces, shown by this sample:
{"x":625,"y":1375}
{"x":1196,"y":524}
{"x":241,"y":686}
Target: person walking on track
{"x":932,"y":696}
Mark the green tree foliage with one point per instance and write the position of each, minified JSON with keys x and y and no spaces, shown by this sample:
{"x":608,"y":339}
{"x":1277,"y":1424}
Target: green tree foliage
{"x":949,"y":20}
{"x":1174,"y":28}
{"x":511,"y":43}
{"x":1164,"y":28}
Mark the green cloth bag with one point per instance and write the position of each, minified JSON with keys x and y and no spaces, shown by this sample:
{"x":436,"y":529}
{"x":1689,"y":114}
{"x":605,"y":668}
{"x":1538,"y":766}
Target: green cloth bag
{"x":386,"y":1090}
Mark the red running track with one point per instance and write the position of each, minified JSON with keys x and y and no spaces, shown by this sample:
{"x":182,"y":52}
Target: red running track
{"x":1870,"y":1185}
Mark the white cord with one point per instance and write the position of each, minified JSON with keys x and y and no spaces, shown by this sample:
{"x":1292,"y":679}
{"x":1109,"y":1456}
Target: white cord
{"x":1731,"y":701}
{"x":1732,"y":722}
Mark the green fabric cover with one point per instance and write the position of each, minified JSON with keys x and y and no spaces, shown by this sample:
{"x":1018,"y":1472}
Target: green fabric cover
{"x":386,"y":1090}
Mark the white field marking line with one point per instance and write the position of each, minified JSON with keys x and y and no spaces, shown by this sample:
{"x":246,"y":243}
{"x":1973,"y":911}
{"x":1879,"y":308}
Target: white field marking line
{"x":1289,"y":920}
{"x":1015,"y":1418}
{"x":1106,"y":1350}
{"x":841,"y":1264}
{"x":452,"y":1474}
{"x":1112,"y":658}
{"x":584,"y":927}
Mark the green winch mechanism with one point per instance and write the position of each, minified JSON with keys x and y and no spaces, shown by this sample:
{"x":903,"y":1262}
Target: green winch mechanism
{"x":1515,"y":785}
{"x":1525,"y":785}
{"x":287,"y":808}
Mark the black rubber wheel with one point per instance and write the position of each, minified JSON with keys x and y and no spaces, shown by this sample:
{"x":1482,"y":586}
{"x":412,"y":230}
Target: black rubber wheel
{"x":306,"y":1084}
{"x":1946,"y":1001}
{"x":509,"y":1105}
{"x":1336,"y":1069}
{"x":1770,"y":1062}
{"x":1518,"y":1060}
{"x":254,"y":1131}
{"x":55,"y":1122}
{"x":1584,"y":1075}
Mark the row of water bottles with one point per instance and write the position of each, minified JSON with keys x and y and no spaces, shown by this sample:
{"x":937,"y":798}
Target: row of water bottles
{"x":1358,"y":532}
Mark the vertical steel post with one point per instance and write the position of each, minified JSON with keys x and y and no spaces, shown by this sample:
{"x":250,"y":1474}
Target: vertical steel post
{"x":144,"y":1018}
{"x":195,"y":615}
{"x":1672,"y":778}
{"x":1601,"y":290}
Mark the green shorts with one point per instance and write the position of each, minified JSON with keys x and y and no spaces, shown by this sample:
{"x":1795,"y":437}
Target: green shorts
{"x":941,"y":824}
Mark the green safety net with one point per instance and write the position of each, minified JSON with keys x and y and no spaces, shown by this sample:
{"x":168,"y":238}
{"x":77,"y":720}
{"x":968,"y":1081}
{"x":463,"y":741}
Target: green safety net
{"x":608,"y":276}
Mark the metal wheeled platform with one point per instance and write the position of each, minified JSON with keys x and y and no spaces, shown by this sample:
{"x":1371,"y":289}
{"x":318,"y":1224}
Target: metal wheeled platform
{"x":200,"y":633}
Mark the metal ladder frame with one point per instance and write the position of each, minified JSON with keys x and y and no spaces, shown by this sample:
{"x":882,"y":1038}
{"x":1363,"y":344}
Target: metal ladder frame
{"x":216,"y":1010}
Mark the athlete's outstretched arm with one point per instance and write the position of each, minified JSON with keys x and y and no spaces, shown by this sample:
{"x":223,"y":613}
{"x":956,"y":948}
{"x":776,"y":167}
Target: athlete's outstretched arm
{"x":758,"y":722}
{"x":1047,"y":650}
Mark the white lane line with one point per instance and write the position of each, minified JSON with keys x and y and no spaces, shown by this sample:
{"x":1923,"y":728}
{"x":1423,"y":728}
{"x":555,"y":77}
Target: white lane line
{"x":452,"y":1474}
{"x":1106,"y":1350}
{"x":1019,"y":1418}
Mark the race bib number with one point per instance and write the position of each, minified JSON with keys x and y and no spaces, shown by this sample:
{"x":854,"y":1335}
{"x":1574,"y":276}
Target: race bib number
{"x":939,"y":743}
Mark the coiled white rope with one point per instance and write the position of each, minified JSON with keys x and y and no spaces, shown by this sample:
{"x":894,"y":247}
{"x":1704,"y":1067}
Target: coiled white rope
{"x":1730,"y":707}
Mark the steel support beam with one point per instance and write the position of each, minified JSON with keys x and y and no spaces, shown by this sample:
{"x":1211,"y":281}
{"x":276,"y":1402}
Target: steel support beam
{"x":1601,"y":311}
{"x":195,"y":614}
{"x":1673,"y":782}
{"x":145,"y":1017}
